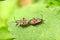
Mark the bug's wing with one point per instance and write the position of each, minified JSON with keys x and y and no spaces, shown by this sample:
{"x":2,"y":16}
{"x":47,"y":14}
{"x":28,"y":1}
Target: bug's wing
{"x":38,"y":20}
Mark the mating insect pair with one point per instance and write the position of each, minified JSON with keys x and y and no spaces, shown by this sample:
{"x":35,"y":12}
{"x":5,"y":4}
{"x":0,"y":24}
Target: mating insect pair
{"x":33,"y":21}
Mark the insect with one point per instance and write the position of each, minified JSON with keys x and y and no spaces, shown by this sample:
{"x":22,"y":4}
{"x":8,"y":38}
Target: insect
{"x":22,"y":22}
{"x":35,"y":21}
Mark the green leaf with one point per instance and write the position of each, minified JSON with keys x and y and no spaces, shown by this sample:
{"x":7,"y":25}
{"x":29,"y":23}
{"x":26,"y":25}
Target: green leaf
{"x":6,"y":7}
{"x":5,"y":34}
{"x":53,"y":2}
{"x":38,"y":32}
{"x":1,"y":0}
{"x":49,"y":29}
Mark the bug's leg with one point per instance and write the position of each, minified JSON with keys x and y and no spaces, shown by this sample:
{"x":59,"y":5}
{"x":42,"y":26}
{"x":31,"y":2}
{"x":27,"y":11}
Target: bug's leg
{"x":42,"y":19}
{"x":16,"y":24}
{"x":16,"y":21}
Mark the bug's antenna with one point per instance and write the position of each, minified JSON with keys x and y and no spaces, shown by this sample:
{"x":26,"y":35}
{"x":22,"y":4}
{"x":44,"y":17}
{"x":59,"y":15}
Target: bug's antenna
{"x":14,"y":19}
{"x":42,"y":16}
{"x":15,"y":22}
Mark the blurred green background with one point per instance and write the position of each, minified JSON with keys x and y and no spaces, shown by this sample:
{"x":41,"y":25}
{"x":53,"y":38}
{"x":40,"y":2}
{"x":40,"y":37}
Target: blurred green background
{"x":48,"y":10}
